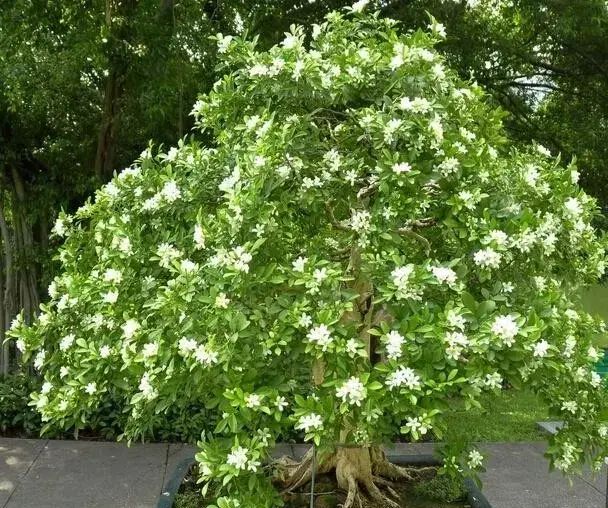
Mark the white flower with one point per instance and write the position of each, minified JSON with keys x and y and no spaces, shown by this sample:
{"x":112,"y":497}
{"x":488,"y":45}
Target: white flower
{"x":396,"y":62}
{"x":487,"y":258}
{"x":603,"y":431}
{"x":320,"y":335}
{"x":227,"y":185}
{"x":112,"y":275}
{"x":508,"y":287}
{"x":290,"y":41}
{"x":570,"y":406}
{"x":90,"y":388}
{"x":352,"y":347}
{"x":298,"y":264}
{"x":167,"y":253}
{"x":455,"y":320}
{"x":401,"y":275}
{"x":359,"y":6}
{"x":170,"y":191}
{"x":151,"y":203}
{"x":259,"y":161}
{"x":415,"y":425}
{"x":531,"y":175}
{"x":596,"y":380}
{"x":497,"y":236}
{"x":46,"y":388}
{"x":569,"y":346}
{"x":404,"y":376}
{"x":110,"y":297}
{"x":449,"y":165}
{"x":130,"y":328}
{"x":146,"y":387}
{"x":188,"y":266}
{"x":572,"y":208}
{"x":541,"y":348}
{"x":150,"y":349}
{"x":222,"y":301}
{"x":305,"y":320}
{"x":105,"y":351}
{"x":394,"y":341}
{"x":468,"y":199}
{"x":438,"y":28}
{"x":493,"y":381}
{"x":443,"y":274}
{"x":457,"y":342}
{"x":574,"y":176}
{"x":253,"y":401}
{"x":297,"y":69}
{"x":352,"y":391}
{"x":543,"y":151}
{"x":52,"y":290}
{"x":223,"y":43}
{"x":111,"y":190}
{"x":20,"y":344}
{"x":593,"y":354}
{"x":258,"y":70}
{"x":506,"y":328}
{"x":124,"y":246}
{"x":186,"y":346}
{"x":238,"y":458}
{"x":319,"y":275}
{"x":66,"y":342}
{"x":281,"y":403}
{"x":309,"y":422}
{"x":60,"y":227}
{"x":39,"y":359}
{"x":240,"y":259}
{"x":360,"y":221}
{"x":63,"y":371}
{"x":205,"y":355}
{"x":402,"y":167}
{"x":475,"y":459}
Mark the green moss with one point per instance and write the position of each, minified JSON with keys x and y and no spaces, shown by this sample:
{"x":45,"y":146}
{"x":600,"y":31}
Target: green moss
{"x":442,"y":488}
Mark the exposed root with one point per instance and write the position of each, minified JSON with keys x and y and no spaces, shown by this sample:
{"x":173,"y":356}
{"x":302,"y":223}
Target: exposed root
{"x":378,"y":496}
{"x":353,"y":494}
{"x":360,"y":472}
{"x":295,"y":474}
{"x":387,"y":484}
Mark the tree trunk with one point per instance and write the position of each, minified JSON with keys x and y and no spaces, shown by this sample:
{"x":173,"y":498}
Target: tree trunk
{"x":118,"y":63}
{"x":9,"y":305}
{"x":104,"y":159}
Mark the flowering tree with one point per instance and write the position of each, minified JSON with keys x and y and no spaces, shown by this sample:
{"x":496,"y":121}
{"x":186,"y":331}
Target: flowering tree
{"x":359,"y":245}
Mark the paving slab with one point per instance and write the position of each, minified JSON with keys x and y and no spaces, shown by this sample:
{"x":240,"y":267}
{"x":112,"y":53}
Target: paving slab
{"x":550,"y":427}
{"x":517,"y":476}
{"x":78,"y":474}
{"x":16,"y":458}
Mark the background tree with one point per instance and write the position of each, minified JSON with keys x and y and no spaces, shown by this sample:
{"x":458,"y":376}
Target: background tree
{"x":373,"y":233}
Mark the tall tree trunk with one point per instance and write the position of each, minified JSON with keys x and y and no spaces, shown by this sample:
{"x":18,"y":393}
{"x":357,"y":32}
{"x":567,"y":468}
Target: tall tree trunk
{"x":104,"y":159}
{"x":118,"y":39}
{"x":9,"y":304}
{"x":24,"y":243}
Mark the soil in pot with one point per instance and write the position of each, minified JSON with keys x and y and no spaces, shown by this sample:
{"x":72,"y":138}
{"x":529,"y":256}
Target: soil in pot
{"x":438,"y":492}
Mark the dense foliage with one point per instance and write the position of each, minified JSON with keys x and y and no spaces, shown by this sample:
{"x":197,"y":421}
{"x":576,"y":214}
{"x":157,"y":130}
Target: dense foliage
{"x":359,"y":245}
{"x":86,"y":84}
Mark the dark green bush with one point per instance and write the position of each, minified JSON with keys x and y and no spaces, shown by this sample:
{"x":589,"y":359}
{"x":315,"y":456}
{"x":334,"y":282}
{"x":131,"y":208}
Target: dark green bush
{"x":16,"y":416}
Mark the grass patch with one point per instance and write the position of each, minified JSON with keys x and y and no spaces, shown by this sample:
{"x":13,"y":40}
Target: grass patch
{"x":510,"y":415}
{"x":595,"y":302}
